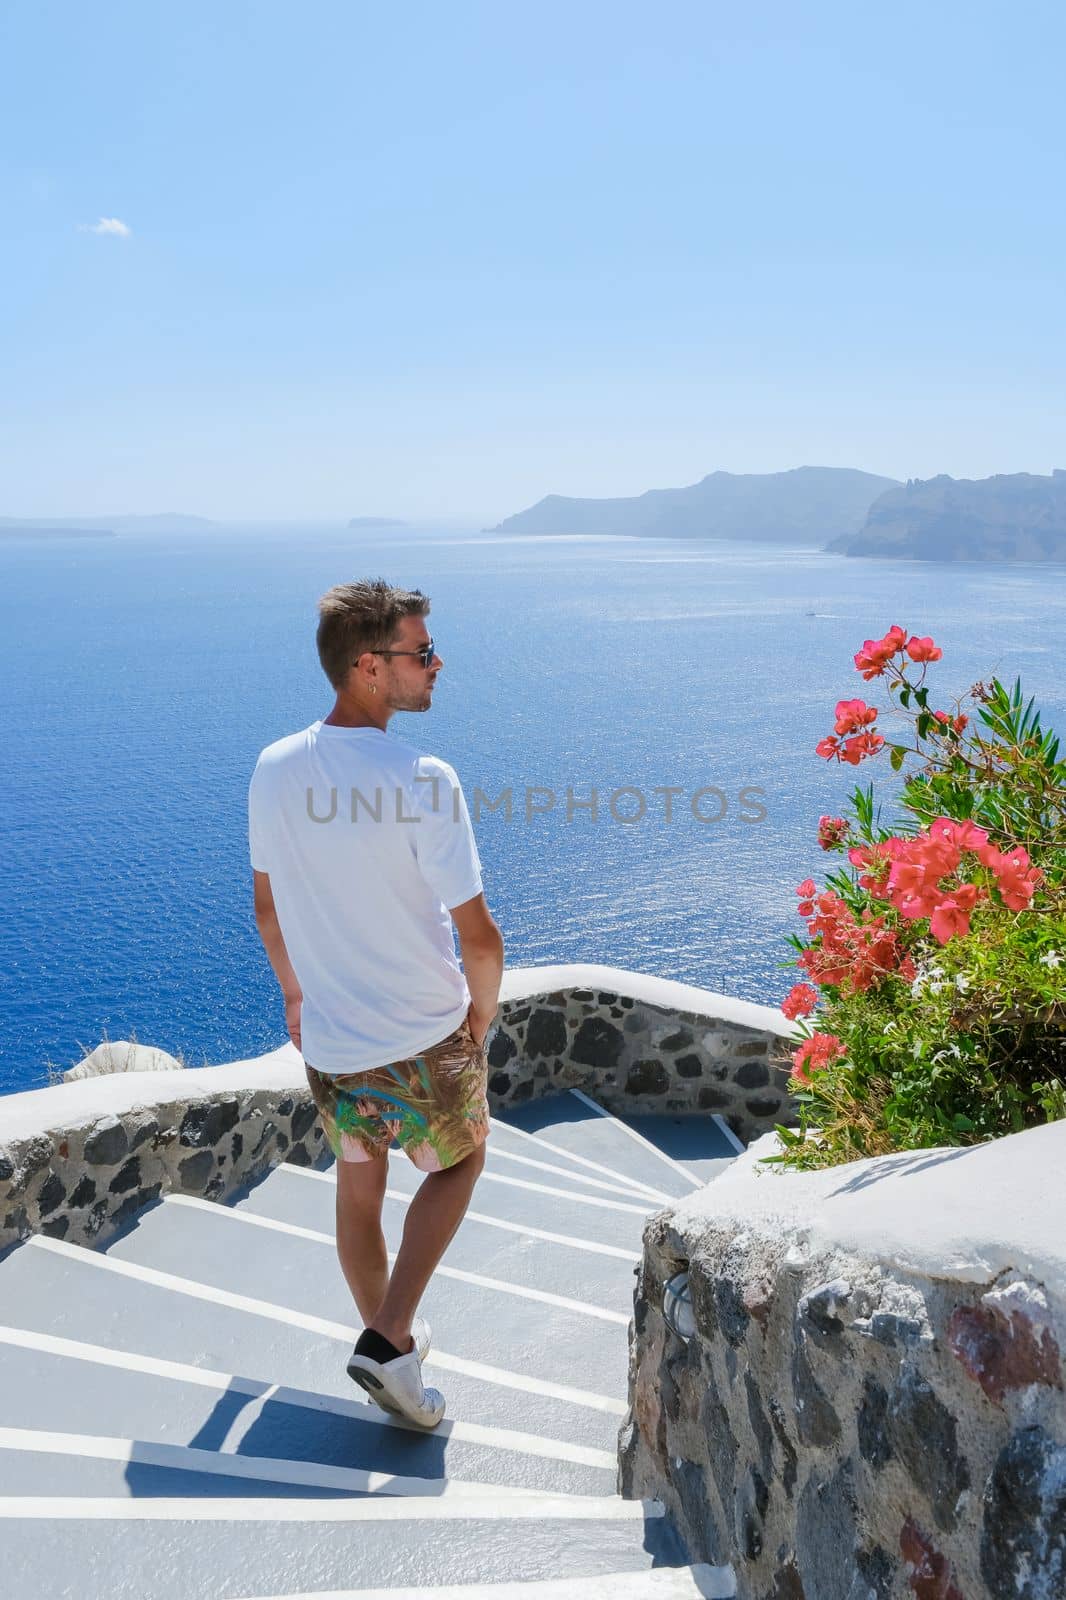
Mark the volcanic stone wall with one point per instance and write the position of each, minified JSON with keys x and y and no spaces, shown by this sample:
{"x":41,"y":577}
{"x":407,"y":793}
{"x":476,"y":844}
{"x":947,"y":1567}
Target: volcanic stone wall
{"x":878,"y":1416}
{"x":84,"y":1177}
{"x":632,"y":1054}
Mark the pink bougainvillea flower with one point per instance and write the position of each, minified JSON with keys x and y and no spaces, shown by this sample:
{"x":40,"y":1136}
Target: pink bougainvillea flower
{"x":951,"y":918}
{"x":1016,"y":880}
{"x":916,"y":885}
{"x":815,"y":1053}
{"x":875,"y":654}
{"x":831,"y":831}
{"x":877,"y":860}
{"x":923,"y":649}
{"x":907,"y":970}
{"x":800,"y":1000}
{"x":859,"y":746}
{"x":806,"y":891}
{"x":965,"y":835}
{"x":850,"y":954}
{"x":851,"y":715}
{"x":918,"y":865}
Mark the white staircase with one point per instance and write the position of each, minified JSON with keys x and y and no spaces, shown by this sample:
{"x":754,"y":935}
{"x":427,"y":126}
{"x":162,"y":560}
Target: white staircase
{"x":176,"y":1419}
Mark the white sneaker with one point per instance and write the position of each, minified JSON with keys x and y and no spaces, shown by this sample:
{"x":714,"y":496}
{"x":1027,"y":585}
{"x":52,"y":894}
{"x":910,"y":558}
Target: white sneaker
{"x":397,"y":1386}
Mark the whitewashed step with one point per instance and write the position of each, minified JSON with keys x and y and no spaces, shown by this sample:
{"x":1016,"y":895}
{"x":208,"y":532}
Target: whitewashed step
{"x":505,"y":1155}
{"x":51,"y":1287}
{"x":226,"y":1548}
{"x":699,"y":1582}
{"x":446,"y":1273}
{"x":57,"y":1385}
{"x":703,"y":1145}
{"x":38,"y":1461}
{"x":551,"y":1207}
{"x":508,"y":1135}
{"x":176,"y":1420}
{"x":560,"y":1199}
{"x":573,"y":1122}
{"x":528,"y":1339}
{"x":512,"y":1254}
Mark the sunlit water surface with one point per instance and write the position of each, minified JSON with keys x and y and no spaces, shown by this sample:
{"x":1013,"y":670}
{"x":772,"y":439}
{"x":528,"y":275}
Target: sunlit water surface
{"x":143,"y":676}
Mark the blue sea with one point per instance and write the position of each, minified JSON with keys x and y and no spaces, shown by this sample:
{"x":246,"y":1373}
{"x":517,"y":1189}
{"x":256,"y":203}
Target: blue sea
{"x":142,"y":676}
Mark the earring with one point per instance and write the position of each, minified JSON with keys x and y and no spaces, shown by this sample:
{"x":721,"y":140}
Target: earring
{"x":373,"y":688}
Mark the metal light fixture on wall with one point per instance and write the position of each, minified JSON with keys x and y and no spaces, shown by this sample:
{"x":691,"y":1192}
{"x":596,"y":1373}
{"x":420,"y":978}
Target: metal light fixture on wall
{"x":677,"y":1307}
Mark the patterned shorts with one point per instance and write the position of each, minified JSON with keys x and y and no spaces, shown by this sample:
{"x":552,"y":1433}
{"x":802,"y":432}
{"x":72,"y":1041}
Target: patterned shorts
{"x":433,"y":1105}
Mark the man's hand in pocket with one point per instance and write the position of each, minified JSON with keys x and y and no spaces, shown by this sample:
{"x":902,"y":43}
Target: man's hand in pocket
{"x":292,"y":1019}
{"x":479,"y":1026}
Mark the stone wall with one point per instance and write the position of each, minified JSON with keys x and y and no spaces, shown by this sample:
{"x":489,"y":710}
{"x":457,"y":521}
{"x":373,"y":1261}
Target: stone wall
{"x":871,"y":1406}
{"x":78,"y":1160}
{"x":637,"y":1043}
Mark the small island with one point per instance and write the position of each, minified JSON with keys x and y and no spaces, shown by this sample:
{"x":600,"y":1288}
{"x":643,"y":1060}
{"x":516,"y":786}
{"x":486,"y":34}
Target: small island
{"x":1018,"y":516}
{"x":101,"y":527}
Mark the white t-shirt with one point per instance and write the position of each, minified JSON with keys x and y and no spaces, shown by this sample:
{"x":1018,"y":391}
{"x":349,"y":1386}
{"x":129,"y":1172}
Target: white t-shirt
{"x":368,"y":845}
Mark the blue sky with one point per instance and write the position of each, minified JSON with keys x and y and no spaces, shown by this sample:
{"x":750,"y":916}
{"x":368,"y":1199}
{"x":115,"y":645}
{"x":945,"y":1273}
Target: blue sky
{"x":443,"y":259}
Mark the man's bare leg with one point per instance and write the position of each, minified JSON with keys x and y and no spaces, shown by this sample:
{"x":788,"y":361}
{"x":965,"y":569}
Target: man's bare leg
{"x":360,"y":1241}
{"x":432,"y":1220}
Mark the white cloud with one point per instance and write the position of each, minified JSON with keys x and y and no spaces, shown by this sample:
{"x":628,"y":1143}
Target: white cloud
{"x":108,"y":225}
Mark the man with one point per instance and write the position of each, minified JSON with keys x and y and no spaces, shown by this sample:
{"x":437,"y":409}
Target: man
{"x":365,"y":865}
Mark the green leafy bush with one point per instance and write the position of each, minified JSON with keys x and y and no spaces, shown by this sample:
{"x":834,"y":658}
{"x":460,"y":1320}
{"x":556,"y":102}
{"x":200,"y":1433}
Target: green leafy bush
{"x":936,"y":959}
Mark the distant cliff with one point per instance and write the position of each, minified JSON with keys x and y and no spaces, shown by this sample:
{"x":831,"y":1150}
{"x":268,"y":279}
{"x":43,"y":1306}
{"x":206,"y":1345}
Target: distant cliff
{"x":1018,"y":516}
{"x":808,"y":505}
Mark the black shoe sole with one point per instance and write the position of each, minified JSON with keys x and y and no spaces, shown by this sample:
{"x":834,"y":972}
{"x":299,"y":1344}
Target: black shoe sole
{"x":373,"y":1387}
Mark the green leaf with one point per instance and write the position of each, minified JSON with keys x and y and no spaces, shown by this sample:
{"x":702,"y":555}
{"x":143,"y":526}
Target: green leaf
{"x":897,"y":756}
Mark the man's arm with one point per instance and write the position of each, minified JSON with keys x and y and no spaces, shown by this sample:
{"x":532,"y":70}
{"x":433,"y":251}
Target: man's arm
{"x":266,"y":920}
{"x":481,"y":947}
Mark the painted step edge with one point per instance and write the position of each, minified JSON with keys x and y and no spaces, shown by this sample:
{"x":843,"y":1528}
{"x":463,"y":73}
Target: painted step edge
{"x":359,"y":1410}
{"x":592,"y":1246}
{"x":727,"y":1133}
{"x":571,"y":1174}
{"x":255,"y":1469}
{"x":601,"y":1111}
{"x":477,"y":1280}
{"x":523,"y":1506}
{"x":699,"y":1582}
{"x":584,"y":1161}
{"x":610,"y":1404}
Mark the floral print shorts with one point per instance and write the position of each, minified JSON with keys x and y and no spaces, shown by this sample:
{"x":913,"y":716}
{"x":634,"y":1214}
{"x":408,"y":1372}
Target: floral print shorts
{"x":433,"y":1105}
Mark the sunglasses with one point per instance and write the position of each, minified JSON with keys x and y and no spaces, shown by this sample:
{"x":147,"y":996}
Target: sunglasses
{"x":425,"y":655}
